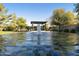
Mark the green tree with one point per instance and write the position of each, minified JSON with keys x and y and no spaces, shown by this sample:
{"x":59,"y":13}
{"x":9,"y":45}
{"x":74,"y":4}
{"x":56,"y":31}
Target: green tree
{"x":57,"y":17}
{"x":3,"y":10}
{"x":21,"y":22}
{"x":77,"y":11}
{"x":61,"y":18}
{"x":76,"y":8}
{"x":68,"y":18}
{"x":11,"y":22}
{"x":45,"y":26}
{"x":3,"y":16}
{"x":14,"y":20}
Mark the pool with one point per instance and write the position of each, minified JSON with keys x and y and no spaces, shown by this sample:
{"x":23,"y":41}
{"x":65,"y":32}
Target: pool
{"x":43,"y":44}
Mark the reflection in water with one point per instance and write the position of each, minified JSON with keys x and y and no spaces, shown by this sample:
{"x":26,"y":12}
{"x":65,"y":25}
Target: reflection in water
{"x":15,"y":38}
{"x":30,"y":44}
{"x":19,"y":37}
{"x":2,"y":44}
{"x":64,"y":42}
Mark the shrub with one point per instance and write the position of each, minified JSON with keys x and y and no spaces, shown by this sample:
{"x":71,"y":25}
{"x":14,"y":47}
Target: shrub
{"x":66,"y":30}
{"x":73,"y":31}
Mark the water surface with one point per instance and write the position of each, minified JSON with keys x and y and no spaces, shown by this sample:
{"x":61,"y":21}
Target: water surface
{"x":43,"y":44}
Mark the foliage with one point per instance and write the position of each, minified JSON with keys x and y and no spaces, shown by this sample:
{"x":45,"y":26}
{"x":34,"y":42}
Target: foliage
{"x":57,"y":16}
{"x":21,"y":22}
{"x":66,"y":30}
{"x":76,"y":8}
{"x":68,"y":18}
{"x":3,"y":10}
{"x":61,"y":18}
{"x":73,"y":31}
{"x":11,"y":21}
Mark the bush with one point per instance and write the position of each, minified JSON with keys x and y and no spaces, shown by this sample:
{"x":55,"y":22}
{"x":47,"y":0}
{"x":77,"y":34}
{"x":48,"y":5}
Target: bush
{"x":10,"y":28}
{"x":73,"y":31}
{"x":60,"y":30}
{"x":66,"y":30}
{"x":77,"y":30}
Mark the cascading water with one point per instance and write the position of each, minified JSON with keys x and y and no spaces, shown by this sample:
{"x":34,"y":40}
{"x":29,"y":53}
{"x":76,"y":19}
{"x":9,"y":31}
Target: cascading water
{"x":38,"y":28}
{"x":38,"y":33}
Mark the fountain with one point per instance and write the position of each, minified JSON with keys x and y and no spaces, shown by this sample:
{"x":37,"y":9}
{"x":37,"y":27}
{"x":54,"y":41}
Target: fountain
{"x":38,"y":28}
{"x":38,"y":34}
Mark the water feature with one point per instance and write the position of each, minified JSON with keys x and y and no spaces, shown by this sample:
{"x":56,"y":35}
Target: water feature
{"x":38,"y":33}
{"x":51,"y":43}
{"x":38,"y":28}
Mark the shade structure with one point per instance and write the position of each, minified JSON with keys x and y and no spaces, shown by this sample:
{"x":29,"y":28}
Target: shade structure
{"x":38,"y":22}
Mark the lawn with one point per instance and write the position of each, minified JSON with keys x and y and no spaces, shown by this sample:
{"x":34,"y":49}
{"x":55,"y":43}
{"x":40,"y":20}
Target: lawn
{"x":5,"y":32}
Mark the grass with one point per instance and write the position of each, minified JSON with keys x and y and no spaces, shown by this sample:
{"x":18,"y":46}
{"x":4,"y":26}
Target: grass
{"x":5,"y":32}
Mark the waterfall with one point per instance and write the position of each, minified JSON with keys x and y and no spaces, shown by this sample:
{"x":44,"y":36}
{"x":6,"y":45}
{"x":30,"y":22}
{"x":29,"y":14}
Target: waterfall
{"x":38,"y":28}
{"x":38,"y":33}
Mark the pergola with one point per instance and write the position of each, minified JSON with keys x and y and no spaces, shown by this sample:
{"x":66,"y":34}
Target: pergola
{"x":37,"y":22}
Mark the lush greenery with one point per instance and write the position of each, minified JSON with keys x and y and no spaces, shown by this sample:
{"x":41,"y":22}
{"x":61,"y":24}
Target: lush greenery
{"x":62,"y":18}
{"x":11,"y":22}
{"x":59,"y":18}
{"x":6,"y":32}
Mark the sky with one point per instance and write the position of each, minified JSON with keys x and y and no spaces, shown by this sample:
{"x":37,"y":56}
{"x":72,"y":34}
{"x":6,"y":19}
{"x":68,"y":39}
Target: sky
{"x":36,"y":11}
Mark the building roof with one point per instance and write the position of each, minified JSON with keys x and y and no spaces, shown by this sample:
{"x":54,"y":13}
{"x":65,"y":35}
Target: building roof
{"x":38,"y":22}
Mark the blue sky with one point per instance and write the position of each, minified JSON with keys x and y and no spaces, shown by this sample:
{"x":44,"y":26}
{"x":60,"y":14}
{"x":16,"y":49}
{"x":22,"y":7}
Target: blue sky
{"x":36,"y":11}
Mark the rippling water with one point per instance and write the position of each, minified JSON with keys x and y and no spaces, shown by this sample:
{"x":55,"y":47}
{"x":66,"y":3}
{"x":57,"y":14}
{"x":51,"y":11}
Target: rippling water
{"x":43,"y":44}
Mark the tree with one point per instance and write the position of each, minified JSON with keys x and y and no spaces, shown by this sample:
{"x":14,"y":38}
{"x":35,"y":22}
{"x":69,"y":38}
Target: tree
{"x":21,"y":22}
{"x":45,"y":26}
{"x":3,"y":16}
{"x":3,"y":10}
{"x":61,"y":18}
{"x":76,"y":8}
{"x":57,"y":17}
{"x":77,"y":11}
{"x":68,"y":18}
{"x":11,"y":22}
